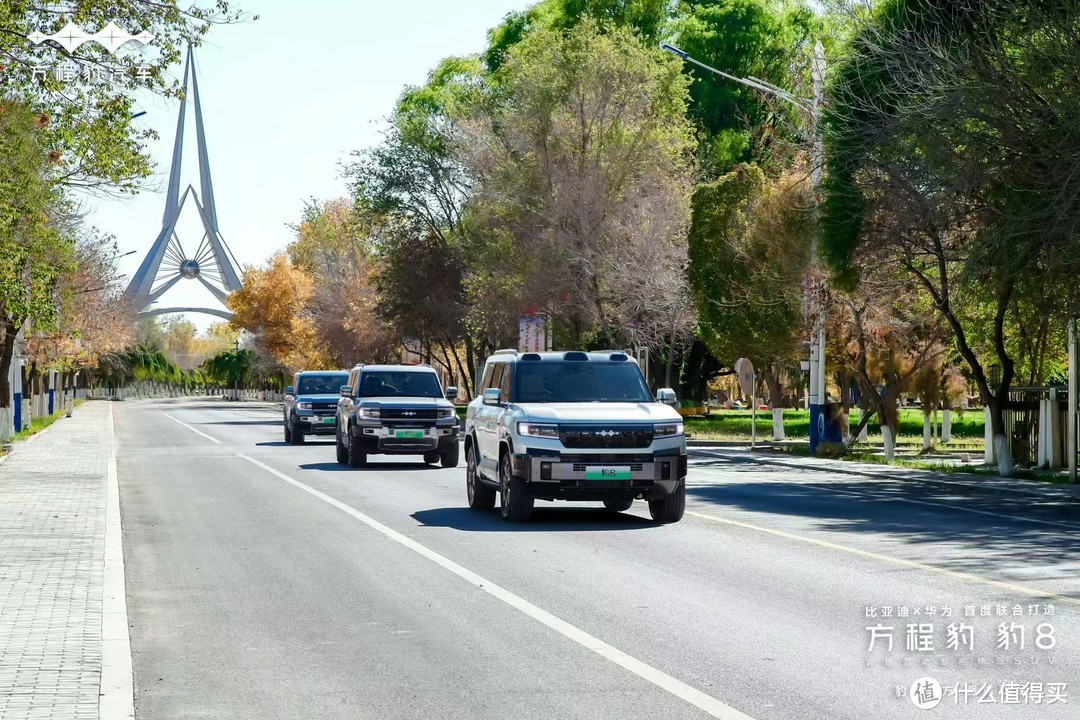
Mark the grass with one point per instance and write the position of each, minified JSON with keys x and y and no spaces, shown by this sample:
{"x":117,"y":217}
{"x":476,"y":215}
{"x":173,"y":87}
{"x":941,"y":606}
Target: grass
{"x":37,"y":425}
{"x":735,"y":425}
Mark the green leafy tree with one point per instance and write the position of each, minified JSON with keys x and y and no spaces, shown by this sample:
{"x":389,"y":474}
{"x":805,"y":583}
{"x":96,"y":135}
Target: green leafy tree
{"x":950,"y":157}
{"x":748,"y":255}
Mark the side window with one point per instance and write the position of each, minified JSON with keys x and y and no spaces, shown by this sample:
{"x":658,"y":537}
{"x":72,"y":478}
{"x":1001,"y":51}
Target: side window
{"x":485,"y":383}
{"x":496,"y":376}
{"x":504,"y":383}
{"x":352,"y":380}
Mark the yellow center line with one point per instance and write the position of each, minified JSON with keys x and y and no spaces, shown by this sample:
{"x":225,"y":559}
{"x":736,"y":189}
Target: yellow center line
{"x":896,"y":561}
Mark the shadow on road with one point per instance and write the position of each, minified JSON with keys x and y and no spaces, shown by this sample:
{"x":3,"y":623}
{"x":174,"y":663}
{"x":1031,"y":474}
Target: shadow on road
{"x":1018,"y":531}
{"x":544,"y":519}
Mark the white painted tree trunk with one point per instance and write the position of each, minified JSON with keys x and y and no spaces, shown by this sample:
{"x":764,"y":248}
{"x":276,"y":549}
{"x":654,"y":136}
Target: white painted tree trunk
{"x":890,"y":443}
{"x":6,"y":425}
{"x":946,"y":426}
{"x":927,"y":433}
{"x":778,"y":424}
{"x":1004,"y":455}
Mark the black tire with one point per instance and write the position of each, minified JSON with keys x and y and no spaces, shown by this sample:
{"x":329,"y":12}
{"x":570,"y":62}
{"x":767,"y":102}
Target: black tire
{"x":515,"y":504}
{"x":296,"y":434}
{"x":432,"y":458}
{"x":288,"y":431}
{"x":452,"y":458}
{"x":356,"y":458}
{"x":669,"y":509}
{"x":481,"y":496}
{"x":619,"y":505}
{"x":342,"y":451}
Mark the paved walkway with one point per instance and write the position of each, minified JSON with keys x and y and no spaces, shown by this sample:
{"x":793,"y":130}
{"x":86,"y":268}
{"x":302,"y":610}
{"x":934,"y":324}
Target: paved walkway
{"x":57,"y":518}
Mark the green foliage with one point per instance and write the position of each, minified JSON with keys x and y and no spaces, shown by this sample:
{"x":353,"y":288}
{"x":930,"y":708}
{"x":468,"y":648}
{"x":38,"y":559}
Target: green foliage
{"x":645,"y":17}
{"x":767,"y":39}
{"x":33,"y":250}
{"x":230,"y":367}
{"x":748,"y":250}
{"x":92,"y":130}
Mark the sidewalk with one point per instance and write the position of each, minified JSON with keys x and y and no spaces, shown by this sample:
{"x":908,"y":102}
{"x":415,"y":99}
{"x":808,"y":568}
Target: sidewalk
{"x":59,"y":557}
{"x":1035,"y":488}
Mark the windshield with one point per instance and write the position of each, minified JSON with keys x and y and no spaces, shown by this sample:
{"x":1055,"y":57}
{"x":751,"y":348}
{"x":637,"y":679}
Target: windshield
{"x":581,"y":382}
{"x":389,"y":383}
{"x":322,"y":384}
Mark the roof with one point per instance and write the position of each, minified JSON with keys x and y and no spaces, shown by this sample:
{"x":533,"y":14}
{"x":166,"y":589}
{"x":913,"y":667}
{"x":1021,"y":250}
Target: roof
{"x":323,"y":372}
{"x":397,"y":368}
{"x":566,"y":355}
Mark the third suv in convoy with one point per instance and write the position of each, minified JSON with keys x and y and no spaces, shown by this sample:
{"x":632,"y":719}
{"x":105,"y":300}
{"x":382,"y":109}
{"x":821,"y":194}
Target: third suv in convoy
{"x":310,"y":404}
{"x":573,"y":426}
{"x":396,"y":410}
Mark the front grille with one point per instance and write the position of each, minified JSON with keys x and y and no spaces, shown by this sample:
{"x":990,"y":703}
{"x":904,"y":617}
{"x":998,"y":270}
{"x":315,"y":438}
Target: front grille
{"x":606,"y":437}
{"x":409,"y":414}
{"x":324,"y":406}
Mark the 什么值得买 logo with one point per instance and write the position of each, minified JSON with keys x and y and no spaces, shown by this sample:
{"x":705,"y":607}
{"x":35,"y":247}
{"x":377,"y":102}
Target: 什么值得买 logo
{"x":111,"y":37}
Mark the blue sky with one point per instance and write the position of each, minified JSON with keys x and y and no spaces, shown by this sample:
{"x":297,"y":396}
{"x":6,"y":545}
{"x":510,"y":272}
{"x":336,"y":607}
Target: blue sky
{"x":286,"y":98}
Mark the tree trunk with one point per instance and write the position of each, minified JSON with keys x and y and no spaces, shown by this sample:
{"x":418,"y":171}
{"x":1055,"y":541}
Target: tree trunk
{"x":1002,"y":447}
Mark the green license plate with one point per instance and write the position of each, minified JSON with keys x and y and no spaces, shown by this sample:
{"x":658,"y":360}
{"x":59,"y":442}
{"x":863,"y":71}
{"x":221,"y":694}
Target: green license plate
{"x":328,"y":421}
{"x":607,"y":473}
{"x":409,"y":434}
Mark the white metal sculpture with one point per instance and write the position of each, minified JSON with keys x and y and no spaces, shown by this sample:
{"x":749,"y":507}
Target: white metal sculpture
{"x":167,"y":263}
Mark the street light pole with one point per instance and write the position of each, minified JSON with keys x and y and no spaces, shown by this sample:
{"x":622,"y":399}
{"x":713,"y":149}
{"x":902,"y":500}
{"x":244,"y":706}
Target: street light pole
{"x":812,"y":107}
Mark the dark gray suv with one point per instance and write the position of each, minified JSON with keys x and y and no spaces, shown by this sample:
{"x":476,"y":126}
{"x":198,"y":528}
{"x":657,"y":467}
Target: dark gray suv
{"x":396,"y":410}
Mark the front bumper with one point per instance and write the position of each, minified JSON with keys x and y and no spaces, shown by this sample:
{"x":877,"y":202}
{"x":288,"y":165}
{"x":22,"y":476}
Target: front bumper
{"x":317,"y":424}
{"x":380,"y":440}
{"x":563,"y":476}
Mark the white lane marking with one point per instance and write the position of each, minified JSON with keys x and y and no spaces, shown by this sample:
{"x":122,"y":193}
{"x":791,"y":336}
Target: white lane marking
{"x":894,"y":560}
{"x":884,"y":484}
{"x":662,"y":680}
{"x":117,"y":695}
{"x":197,"y":432}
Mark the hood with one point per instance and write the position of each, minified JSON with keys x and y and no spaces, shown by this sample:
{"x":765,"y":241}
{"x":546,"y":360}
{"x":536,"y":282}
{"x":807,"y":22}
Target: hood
{"x":600,"y":412}
{"x":406,"y":402}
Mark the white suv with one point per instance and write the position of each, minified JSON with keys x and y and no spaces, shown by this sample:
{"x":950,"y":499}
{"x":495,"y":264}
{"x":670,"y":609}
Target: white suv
{"x":573,"y":426}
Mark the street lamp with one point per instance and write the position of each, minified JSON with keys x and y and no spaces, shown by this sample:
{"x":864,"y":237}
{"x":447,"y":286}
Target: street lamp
{"x":811,"y":106}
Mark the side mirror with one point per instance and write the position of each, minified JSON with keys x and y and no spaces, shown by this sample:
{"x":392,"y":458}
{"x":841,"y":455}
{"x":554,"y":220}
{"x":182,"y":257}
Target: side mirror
{"x":667,"y":397}
{"x":345,"y":391}
{"x":288,"y":390}
{"x":451,"y":392}
{"x":493,"y":396}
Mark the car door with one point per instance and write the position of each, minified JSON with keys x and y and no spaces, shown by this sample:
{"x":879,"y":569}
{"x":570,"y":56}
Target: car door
{"x":290,"y":399}
{"x":345,"y":404}
{"x":487,"y":424}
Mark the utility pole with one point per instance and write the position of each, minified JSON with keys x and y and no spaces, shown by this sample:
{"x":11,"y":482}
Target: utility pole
{"x":812,"y":107}
{"x":1070,"y":424}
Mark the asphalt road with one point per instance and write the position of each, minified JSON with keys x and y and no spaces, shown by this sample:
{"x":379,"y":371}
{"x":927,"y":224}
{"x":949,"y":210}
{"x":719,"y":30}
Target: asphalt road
{"x":266,"y":581}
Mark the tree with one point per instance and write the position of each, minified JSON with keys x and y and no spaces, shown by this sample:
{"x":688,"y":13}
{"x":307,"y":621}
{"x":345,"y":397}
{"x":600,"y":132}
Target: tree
{"x":581,"y":170}
{"x":334,"y":246}
{"x":34,"y":252}
{"x":767,"y":39}
{"x":96,"y":144}
{"x":272,"y":305}
{"x":950,"y":157}
{"x":748,"y":255}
